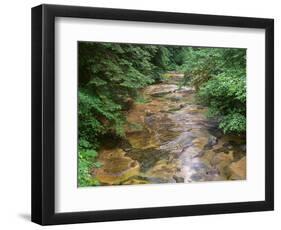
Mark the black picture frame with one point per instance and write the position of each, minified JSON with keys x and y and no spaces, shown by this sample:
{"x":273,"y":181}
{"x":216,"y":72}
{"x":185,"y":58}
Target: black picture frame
{"x":43,"y":114}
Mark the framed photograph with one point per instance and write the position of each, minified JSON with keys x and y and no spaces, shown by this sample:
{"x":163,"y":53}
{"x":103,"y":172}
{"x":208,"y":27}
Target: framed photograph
{"x":142,"y":114}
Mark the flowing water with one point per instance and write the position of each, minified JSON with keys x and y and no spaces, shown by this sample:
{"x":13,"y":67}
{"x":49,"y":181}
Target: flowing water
{"x":169,"y":139}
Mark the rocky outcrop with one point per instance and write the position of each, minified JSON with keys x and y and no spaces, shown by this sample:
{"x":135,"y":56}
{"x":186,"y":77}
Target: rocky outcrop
{"x":116,"y":167}
{"x":238,"y":169}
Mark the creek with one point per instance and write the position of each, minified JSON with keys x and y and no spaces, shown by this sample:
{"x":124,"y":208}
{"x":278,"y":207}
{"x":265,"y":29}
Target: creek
{"x":169,"y":139}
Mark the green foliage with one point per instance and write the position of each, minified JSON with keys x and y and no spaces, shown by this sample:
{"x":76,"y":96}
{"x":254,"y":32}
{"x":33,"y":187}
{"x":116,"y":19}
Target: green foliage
{"x":177,"y":56}
{"x":200,"y":65}
{"x":98,"y":115}
{"x":85,"y":161}
{"x":222,"y":87}
{"x":233,"y":123}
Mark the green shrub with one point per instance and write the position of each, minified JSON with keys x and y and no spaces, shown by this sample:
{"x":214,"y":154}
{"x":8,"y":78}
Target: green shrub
{"x":85,"y":163}
{"x":219,"y":77}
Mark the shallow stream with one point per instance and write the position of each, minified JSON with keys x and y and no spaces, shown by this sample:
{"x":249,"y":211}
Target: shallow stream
{"x":169,"y":139}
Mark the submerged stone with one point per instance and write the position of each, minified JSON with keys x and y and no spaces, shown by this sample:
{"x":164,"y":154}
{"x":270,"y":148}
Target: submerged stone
{"x":212,"y":140}
{"x":147,"y":157}
{"x":164,"y":169}
{"x":116,"y":167}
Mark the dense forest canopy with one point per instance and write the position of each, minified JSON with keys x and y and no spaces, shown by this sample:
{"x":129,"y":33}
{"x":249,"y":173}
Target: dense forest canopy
{"x":111,"y":75}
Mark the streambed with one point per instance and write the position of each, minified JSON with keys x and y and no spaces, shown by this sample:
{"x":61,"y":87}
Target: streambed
{"x":169,"y":139}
